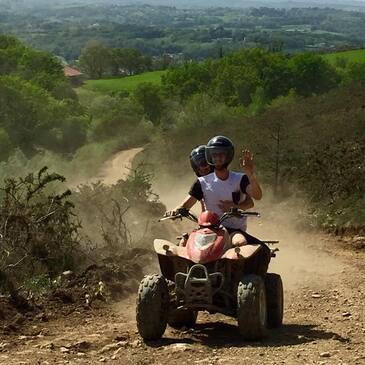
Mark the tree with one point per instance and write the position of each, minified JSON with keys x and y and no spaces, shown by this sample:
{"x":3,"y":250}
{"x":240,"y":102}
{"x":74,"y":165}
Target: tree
{"x":312,"y":74}
{"x":5,"y":145}
{"x":95,"y":59}
{"x":23,"y":109}
{"x":148,"y":96}
{"x":42,"y":68}
{"x":11,"y":51}
{"x":129,"y":60}
{"x":32,"y":118}
{"x":355,"y":71}
{"x":187,"y":80}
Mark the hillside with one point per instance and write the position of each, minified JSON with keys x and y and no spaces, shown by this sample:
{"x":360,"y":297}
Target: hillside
{"x":309,"y":147}
{"x":128,"y":83}
{"x":191,"y":33}
{"x":357,"y":55}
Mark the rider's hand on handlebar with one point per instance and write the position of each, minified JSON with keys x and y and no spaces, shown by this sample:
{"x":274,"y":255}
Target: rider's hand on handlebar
{"x":179,"y":212}
{"x":175,"y":212}
{"x":170,"y":213}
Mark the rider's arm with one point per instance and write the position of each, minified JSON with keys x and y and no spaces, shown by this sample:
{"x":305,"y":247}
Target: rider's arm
{"x":226,"y":205}
{"x":248,"y":187}
{"x":187,"y":203}
{"x":246,"y":204}
{"x":254,"y":188}
{"x":195,"y":194}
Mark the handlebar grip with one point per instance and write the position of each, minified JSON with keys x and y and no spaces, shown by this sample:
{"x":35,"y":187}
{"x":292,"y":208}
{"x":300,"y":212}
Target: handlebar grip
{"x":173,"y":217}
{"x":252,"y":213}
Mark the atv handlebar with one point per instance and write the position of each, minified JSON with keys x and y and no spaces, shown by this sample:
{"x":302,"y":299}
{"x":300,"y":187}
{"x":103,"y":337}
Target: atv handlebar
{"x":233,"y":212}
{"x":180,"y":213}
{"x":239,"y":213}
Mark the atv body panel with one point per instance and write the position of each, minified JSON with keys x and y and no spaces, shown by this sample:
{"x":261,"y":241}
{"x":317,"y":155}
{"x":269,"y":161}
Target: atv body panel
{"x":205,"y":245}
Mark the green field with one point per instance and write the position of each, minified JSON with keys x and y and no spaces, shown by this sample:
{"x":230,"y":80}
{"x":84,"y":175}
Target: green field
{"x":128,"y":83}
{"x":357,"y":55}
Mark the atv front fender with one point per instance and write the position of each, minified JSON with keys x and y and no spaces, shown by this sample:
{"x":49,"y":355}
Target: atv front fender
{"x":241,"y":252}
{"x":166,"y":248}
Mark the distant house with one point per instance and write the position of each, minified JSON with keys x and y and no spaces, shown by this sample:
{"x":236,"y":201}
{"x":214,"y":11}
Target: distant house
{"x":75,"y":76}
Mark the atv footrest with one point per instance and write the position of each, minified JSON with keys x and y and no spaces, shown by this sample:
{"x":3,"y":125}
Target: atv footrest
{"x":196,"y":286}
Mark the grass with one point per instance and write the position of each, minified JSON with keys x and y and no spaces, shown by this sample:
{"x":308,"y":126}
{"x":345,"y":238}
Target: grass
{"x":128,"y":83}
{"x":357,"y":55}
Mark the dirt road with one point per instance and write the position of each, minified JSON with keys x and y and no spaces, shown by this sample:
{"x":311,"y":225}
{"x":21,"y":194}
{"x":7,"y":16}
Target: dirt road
{"x":118,"y":166}
{"x":115,"y":168}
{"x":324,"y":323}
{"x":324,"y":320}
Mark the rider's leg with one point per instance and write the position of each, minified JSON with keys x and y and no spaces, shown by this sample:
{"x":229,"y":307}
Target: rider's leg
{"x":264,"y":256}
{"x":238,"y":239}
{"x":251,"y":240}
{"x":184,"y":239}
{"x":227,"y":240}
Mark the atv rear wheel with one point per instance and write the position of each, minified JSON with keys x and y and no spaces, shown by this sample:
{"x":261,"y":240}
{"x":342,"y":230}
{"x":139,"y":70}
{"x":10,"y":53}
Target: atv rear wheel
{"x":251,"y":307}
{"x":152,"y":307}
{"x":275,"y":300}
{"x":182,"y":318}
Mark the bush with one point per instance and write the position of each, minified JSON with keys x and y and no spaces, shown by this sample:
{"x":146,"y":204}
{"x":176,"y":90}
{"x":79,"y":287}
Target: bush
{"x":39,"y":232}
{"x":147,"y":95}
{"x":118,"y":217}
{"x":355,"y":71}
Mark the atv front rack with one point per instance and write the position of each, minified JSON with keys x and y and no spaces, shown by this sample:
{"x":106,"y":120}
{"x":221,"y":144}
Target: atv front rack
{"x":198,"y":286}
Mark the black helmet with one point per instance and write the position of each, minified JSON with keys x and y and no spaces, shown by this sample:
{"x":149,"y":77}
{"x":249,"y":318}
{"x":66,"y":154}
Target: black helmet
{"x":218,"y":145}
{"x":197,"y":159}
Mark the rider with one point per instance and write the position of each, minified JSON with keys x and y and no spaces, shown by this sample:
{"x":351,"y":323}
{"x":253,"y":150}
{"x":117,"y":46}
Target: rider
{"x":224,"y":189}
{"x":198,"y":161}
{"x":201,"y":167}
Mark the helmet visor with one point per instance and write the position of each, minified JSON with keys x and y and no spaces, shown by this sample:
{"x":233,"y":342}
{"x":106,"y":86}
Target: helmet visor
{"x":200,"y":161}
{"x":217,"y":156}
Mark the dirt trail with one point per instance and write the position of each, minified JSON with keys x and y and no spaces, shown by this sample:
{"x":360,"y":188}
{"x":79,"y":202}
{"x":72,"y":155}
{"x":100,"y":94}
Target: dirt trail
{"x":115,"y":168}
{"x":324,"y":319}
{"x":118,"y":166}
{"x":324,"y":324}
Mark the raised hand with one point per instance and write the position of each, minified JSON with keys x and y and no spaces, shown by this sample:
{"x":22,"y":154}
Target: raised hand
{"x":246,"y":162}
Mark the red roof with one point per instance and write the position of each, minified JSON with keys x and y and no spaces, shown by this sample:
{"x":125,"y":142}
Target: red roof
{"x":70,"y":72}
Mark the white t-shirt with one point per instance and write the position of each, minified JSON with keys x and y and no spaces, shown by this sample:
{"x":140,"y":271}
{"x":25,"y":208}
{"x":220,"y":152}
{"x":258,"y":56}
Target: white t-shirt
{"x":212,"y":190}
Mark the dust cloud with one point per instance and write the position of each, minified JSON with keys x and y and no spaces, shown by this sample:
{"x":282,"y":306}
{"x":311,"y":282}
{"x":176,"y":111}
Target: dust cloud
{"x":300,"y":259}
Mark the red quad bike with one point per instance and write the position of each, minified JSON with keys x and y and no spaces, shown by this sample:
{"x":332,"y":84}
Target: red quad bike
{"x":202,"y":274}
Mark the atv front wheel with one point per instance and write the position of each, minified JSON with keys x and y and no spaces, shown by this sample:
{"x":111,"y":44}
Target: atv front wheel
{"x":182,"y":318}
{"x":251,"y":307}
{"x":275,"y":300}
{"x":152,"y":307}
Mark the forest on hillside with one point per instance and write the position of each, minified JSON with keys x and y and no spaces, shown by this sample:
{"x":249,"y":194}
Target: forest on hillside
{"x":300,"y":114}
{"x":64,"y":29}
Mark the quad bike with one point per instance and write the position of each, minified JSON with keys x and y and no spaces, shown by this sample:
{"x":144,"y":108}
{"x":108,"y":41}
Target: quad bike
{"x":201,"y":274}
